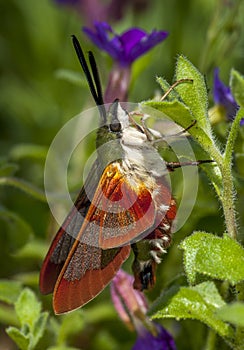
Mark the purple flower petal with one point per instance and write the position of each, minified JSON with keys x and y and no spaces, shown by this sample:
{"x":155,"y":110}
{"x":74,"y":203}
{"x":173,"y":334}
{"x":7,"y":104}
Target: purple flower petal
{"x":130,"y":38}
{"x":223,"y":96}
{"x":126,"y":299}
{"x":128,"y":46}
{"x":146,"y":43}
{"x":131,"y":306}
{"x":67,"y":2}
{"x":146,"y":341}
{"x":99,"y":35}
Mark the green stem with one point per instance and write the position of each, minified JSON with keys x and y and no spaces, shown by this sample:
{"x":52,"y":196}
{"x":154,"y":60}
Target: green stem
{"x":228,"y":202}
{"x":216,"y":155}
{"x":228,"y":195}
{"x":23,"y":186}
{"x":224,"y":162}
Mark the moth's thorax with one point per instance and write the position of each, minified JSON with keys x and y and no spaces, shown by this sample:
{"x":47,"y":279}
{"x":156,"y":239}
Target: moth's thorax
{"x":139,"y":153}
{"x":129,"y":144}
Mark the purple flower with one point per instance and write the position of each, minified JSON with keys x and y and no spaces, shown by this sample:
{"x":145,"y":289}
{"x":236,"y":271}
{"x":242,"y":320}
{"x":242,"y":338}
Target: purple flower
{"x":126,"y":47}
{"x":223,"y":97}
{"x":99,"y":10}
{"x":131,"y":306}
{"x":90,"y":10}
{"x":67,"y":2}
{"x":127,"y":300}
{"x":162,"y":341}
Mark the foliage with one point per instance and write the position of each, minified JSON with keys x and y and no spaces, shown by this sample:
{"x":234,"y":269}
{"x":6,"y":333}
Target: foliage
{"x":199,"y":286}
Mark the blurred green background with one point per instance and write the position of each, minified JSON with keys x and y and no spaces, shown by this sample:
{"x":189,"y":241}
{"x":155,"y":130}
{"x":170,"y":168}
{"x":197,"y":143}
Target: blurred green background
{"x":40,"y":92}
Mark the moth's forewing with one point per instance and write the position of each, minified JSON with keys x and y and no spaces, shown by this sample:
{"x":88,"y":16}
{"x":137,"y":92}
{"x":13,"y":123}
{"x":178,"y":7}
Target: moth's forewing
{"x":85,"y":274}
{"x":65,"y":237}
{"x":120,"y":210}
{"x":56,"y":257}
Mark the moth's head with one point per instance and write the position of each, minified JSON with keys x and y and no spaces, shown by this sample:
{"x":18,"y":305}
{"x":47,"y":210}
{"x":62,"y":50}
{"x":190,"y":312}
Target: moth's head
{"x":117,"y":118}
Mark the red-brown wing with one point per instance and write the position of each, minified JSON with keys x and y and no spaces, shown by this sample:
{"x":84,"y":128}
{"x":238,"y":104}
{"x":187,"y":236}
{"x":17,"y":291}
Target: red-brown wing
{"x":85,"y":274}
{"x":65,"y":237}
{"x":55,"y":258}
{"x":121,"y":210}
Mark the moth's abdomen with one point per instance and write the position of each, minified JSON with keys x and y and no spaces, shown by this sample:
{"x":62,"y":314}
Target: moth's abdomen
{"x":149,"y":251}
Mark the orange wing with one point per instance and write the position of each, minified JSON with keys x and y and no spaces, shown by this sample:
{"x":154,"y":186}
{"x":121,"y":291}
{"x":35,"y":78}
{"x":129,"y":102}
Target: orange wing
{"x":121,"y":210}
{"x":92,"y":243}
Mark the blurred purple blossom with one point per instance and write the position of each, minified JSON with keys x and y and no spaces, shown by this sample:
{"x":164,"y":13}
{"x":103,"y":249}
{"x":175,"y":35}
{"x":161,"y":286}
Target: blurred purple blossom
{"x":126,"y":47}
{"x":67,"y":2}
{"x":131,"y":306}
{"x":127,"y":300}
{"x":90,"y":10}
{"x":223,"y":97}
{"x":97,"y":10}
{"x":147,"y":341}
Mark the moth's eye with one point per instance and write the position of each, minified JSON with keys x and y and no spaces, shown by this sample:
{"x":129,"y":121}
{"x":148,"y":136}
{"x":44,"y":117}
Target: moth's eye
{"x":115,"y":127}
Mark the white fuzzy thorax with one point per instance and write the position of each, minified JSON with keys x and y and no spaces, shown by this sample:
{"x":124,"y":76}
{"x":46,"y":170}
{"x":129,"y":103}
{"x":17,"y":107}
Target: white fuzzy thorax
{"x":139,"y":152}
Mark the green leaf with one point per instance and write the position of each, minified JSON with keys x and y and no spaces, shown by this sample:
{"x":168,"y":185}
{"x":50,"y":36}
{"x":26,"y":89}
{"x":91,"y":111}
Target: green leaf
{"x":165,"y":86}
{"x":221,"y":258}
{"x":33,"y":322}
{"x":39,"y":328}
{"x":191,"y":103}
{"x":237,"y":87}
{"x":198,"y":303}
{"x":210,"y":294}
{"x":19,"y":338}
{"x":232,"y":313}
{"x":181,"y":114}
{"x":193,"y":95}
{"x":9,"y":291}
{"x":28,"y":308}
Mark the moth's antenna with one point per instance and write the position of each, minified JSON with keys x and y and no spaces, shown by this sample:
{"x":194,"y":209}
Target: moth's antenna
{"x":92,"y":80}
{"x":96,"y":77}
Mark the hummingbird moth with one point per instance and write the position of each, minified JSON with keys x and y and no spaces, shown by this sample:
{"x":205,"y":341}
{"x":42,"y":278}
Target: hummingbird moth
{"x":129,"y":207}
